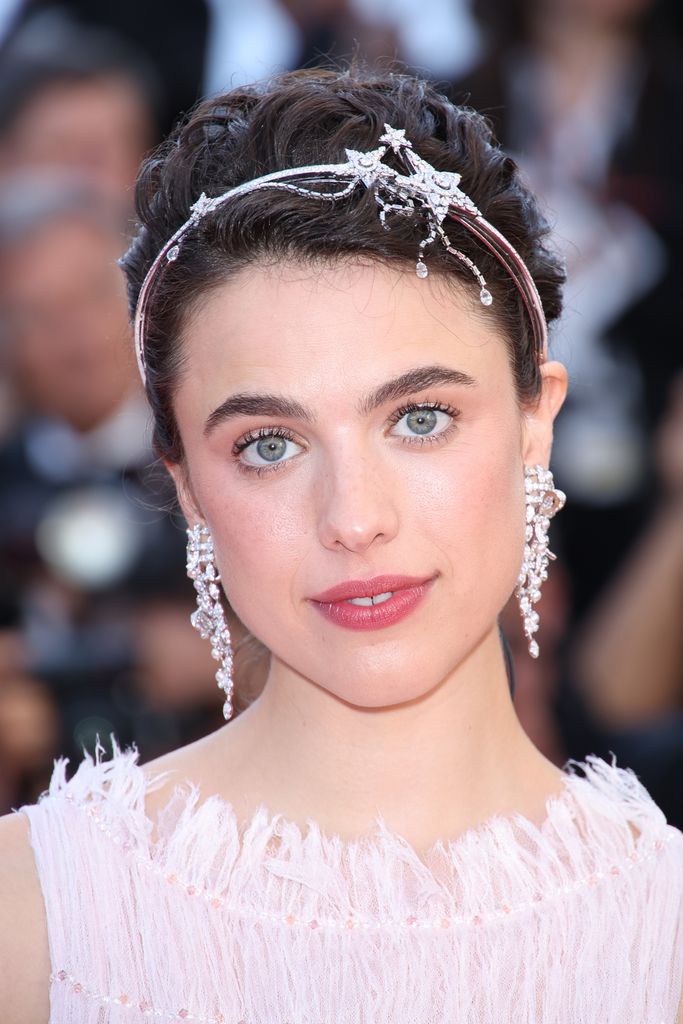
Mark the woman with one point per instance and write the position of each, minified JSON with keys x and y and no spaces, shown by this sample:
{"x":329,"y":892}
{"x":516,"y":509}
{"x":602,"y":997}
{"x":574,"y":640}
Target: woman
{"x":346,"y":356}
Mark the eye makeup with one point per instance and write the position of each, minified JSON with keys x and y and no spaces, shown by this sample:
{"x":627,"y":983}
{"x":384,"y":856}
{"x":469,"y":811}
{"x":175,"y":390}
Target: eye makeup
{"x":251,"y":439}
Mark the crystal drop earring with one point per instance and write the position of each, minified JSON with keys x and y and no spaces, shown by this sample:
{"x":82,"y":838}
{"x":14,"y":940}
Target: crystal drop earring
{"x":209,"y":618}
{"x":543,"y":501}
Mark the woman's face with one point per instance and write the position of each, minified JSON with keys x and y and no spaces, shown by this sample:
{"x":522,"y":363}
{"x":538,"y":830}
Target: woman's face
{"x":348,"y":422}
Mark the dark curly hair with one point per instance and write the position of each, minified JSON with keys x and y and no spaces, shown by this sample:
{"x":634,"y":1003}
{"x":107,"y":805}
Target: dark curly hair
{"x":311,"y":117}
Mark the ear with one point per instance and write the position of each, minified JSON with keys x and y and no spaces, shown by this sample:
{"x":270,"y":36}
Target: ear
{"x":537,"y":424}
{"x":186,"y":498}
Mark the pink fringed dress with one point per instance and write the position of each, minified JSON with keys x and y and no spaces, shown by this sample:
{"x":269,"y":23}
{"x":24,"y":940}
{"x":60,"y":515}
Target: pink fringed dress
{"x":578,"y":921}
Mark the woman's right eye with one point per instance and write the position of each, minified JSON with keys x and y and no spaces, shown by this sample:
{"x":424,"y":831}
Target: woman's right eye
{"x":266,"y":449}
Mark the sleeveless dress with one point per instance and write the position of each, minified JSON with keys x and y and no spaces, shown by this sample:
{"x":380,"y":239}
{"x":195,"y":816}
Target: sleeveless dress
{"x":196,"y":917}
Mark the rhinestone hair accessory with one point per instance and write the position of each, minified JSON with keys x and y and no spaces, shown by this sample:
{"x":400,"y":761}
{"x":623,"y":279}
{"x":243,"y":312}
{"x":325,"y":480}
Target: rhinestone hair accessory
{"x":543,"y":501}
{"x":209,"y":618}
{"x":420,"y":188}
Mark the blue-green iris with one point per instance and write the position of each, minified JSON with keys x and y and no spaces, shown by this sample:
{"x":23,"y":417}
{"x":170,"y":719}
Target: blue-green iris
{"x":271,"y":448}
{"x":421,"y":421}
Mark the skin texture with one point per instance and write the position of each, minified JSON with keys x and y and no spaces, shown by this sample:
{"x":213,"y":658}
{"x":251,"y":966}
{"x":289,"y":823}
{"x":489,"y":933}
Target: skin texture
{"x":414,"y":721}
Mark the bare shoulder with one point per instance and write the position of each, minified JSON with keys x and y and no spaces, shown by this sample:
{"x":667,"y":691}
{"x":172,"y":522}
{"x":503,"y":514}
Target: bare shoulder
{"x":24,"y":951}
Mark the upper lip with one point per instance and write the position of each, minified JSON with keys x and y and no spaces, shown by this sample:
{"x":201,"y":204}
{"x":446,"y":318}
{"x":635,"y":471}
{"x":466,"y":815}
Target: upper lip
{"x":369,"y":588}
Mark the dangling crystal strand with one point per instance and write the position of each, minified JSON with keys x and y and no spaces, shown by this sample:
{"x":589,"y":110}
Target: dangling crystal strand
{"x":543,"y":501}
{"x":209,"y":618}
{"x":421,"y":269}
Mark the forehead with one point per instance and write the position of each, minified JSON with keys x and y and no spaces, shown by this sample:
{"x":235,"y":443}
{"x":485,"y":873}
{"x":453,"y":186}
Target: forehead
{"x":334,"y":329}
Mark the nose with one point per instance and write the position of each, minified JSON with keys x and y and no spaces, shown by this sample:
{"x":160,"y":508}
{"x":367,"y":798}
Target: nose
{"x":358,"y":505}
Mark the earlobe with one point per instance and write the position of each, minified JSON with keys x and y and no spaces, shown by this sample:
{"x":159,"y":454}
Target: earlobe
{"x":539,"y":419}
{"x":186,"y":498}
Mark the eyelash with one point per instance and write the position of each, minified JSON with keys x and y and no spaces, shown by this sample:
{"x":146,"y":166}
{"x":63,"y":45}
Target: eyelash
{"x":398,"y":414}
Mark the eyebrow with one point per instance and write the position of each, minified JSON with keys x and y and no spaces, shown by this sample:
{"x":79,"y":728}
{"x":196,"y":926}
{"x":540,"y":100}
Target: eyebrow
{"x":417,"y":379}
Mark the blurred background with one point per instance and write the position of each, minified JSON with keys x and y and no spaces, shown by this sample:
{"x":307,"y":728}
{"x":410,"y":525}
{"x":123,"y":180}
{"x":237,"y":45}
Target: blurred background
{"x":94,"y":602}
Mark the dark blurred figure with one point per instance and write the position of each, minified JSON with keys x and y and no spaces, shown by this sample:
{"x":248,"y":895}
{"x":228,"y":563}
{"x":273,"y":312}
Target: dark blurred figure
{"x":587,"y":94}
{"x":93,"y":588}
{"x":168,"y":36}
{"x":629,"y":659}
{"x":76,"y":98}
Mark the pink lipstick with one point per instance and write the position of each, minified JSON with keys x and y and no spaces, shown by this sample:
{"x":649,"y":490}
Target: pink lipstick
{"x":374,"y":603}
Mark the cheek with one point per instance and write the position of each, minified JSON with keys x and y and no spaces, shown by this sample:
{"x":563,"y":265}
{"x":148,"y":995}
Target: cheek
{"x":470,"y":506}
{"x":261,"y":532}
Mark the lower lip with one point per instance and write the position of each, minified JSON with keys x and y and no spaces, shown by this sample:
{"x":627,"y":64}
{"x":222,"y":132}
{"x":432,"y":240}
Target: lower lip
{"x":374,"y":616}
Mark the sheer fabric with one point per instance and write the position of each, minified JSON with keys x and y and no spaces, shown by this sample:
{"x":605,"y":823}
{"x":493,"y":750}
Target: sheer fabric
{"x":196,"y":917}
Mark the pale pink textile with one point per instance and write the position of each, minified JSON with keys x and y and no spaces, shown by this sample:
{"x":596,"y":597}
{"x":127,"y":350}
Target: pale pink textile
{"x":578,"y":921}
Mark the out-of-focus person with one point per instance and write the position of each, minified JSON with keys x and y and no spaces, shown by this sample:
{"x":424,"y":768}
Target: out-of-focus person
{"x":77,"y":98}
{"x":629,"y":660}
{"x":171,"y":34}
{"x":90,"y":563}
{"x":63,"y":304}
{"x":585,"y":94}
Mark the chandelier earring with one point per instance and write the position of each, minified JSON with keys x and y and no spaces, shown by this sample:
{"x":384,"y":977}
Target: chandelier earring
{"x":209,"y":618}
{"x":543,"y":501}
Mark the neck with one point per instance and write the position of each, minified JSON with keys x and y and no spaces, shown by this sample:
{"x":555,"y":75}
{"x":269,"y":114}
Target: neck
{"x":432,"y":767}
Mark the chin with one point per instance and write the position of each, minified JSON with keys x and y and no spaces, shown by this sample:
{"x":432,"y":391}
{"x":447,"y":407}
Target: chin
{"x":407,"y":676}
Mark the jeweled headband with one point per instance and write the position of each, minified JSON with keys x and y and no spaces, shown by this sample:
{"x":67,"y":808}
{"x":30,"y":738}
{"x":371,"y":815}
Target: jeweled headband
{"x":436,"y":192}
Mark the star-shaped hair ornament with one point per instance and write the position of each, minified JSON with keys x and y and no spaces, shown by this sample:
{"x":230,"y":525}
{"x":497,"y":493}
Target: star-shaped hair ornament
{"x":395,"y":138}
{"x":202,"y":206}
{"x":367,"y":166}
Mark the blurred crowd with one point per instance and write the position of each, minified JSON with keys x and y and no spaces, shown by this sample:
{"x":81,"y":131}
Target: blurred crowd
{"x":94,"y":636}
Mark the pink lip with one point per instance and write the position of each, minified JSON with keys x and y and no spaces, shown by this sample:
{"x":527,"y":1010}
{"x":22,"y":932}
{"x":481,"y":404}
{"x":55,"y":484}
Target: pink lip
{"x":408,"y":593}
{"x":369,"y":588}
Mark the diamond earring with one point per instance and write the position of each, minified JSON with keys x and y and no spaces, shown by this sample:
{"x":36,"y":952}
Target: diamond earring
{"x":543,"y":500}
{"x":209,"y":618}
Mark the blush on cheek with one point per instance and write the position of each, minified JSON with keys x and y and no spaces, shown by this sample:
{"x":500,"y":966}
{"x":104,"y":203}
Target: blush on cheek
{"x":471,"y":508}
{"x":259,"y":546}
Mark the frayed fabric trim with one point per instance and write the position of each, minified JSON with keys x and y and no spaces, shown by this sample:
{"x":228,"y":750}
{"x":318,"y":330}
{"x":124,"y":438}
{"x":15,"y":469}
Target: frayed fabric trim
{"x":576,"y":920}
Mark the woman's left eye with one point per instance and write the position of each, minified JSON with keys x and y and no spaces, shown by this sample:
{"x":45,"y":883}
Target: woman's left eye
{"x":423,"y":422}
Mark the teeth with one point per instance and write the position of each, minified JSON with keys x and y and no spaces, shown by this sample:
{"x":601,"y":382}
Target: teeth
{"x":368,"y":601}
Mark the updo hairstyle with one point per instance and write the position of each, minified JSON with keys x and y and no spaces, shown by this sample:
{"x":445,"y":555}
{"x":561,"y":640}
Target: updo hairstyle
{"x":311,"y":117}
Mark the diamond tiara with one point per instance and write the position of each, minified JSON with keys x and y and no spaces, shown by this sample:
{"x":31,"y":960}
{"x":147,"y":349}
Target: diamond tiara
{"x":437,"y":193}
